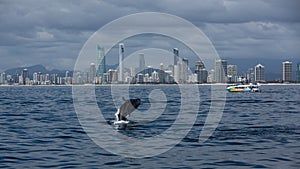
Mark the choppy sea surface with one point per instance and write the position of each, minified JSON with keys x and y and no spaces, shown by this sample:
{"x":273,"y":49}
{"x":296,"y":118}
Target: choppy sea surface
{"x":39,"y":128}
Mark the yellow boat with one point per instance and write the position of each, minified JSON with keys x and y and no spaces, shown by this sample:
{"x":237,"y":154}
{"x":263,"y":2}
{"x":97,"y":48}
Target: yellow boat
{"x":243,"y":88}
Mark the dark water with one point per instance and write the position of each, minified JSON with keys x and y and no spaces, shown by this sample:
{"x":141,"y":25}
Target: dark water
{"x":40,"y":129}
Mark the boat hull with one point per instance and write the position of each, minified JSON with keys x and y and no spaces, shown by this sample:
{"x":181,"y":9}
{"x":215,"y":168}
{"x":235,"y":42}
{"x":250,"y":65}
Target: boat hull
{"x":243,"y":88}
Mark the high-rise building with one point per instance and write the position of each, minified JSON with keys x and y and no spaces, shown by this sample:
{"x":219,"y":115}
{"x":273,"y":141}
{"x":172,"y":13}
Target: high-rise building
{"x":232,"y":73}
{"x":140,"y":78}
{"x":141,"y":62}
{"x":232,"y":70}
{"x":170,"y":69}
{"x":220,"y":71}
{"x":121,"y":64}
{"x":105,"y":79}
{"x":66,"y":75}
{"x":176,"y":55}
{"x":47,"y":78}
{"x":92,"y":73}
{"x":112,"y":76}
{"x":250,"y":75}
{"x":4,"y":78}
{"x":100,"y":62}
{"x":53,"y":78}
{"x":202,"y":76}
{"x":201,"y":72}
{"x":1,"y":79}
{"x":287,"y":71}
{"x":25,"y":76}
{"x":199,"y":65}
{"x":184,"y":70}
{"x":146,"y":78}
{"x":68,"y":78}
{"x":132,"y":72}
{"x":259,"y":72}
{"x":161,"y":75}
{"x":177,"y":73}
{"x":155,"y":76}
{"x":77,"y":78}
{"x":20,"y":79}
{"x":298,"y":73}
{"x":35,"y":78}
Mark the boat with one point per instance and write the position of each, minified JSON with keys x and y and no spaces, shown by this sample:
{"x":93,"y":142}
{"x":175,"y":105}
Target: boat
{"x":244,"y":88}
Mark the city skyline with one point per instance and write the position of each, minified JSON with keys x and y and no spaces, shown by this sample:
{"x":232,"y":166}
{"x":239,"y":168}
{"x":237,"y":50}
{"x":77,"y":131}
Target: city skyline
{"x":179,"y":73}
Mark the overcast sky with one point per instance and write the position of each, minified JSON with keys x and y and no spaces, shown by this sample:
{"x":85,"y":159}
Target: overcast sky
{"x":53,"y":32}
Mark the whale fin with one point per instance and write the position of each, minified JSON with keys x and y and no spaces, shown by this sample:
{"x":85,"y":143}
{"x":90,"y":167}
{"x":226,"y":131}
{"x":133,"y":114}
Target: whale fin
{"x":127,"y":108}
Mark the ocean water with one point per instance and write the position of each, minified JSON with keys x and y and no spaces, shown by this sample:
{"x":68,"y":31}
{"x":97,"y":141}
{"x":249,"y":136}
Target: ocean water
{"x":40,"y":129}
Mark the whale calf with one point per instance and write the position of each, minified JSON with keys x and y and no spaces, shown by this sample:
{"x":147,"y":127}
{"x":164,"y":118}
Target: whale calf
{"x":127,"y":108}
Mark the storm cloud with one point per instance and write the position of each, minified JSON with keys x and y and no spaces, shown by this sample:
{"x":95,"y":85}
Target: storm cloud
{"x":53,"y":32}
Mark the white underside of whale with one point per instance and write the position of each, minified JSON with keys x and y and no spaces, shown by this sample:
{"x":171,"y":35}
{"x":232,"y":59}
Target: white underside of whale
{"x":121,"y":122}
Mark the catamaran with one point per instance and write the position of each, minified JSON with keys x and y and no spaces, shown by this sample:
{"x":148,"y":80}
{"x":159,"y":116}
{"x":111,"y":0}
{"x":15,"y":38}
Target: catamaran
{"x":244,"y":88}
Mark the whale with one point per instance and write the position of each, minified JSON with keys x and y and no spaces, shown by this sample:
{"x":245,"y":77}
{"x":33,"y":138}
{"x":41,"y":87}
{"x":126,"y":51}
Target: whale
{"x":127,"y":108}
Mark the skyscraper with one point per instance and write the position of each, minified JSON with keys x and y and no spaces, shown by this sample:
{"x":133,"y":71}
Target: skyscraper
{"x":141,"y":62}
{"x":1,"y":79}
{"x":67,"y":74}
{"x":25,"y":76}
{"x":92,"y":73}
{"x":199,"y":65}
{"x":298,"y":73}
{"x":201,"y":72}
{"x":121,"y":64}
{"x":177,"y":70}
{"x":184,"y":70}
{"x":100,"y":62}
{"x":259,"y":72}
{"x":176,"y":55}
{"x":220,"y":71}
{"x":161,"y":75}
{"x":132,"y":72}
{"x":287,"y":71}
{"x":35,"y":78}
{"x":232,"y":73}
{"x":250,"y":75}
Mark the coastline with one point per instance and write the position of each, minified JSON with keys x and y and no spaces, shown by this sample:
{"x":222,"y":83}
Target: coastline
{"x":105,"y":85}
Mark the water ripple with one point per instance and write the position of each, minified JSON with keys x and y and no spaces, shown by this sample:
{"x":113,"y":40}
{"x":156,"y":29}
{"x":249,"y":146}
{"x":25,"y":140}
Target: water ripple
{"x":40,"y":129}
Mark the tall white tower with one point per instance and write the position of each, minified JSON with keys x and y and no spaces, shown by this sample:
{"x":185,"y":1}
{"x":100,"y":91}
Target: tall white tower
{"x":92,"y":73}
{"x":220,"y":71}
{"x":100,"y":68}
{"x":287,"y":71}
{"x":184,"y":70}
{"x":121,"y":64}
{"x":259,"y":73}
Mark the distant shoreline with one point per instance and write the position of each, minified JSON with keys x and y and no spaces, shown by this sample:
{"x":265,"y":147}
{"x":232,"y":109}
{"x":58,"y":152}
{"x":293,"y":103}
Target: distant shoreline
{"x":105,"y":85}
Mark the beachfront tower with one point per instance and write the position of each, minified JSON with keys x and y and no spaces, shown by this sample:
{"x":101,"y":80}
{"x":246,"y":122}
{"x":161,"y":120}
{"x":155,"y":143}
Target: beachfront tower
{"x":100,"y":62}
{"x":121,"y":64}
{"x":287,"y":71}
{"x":259,"y":72}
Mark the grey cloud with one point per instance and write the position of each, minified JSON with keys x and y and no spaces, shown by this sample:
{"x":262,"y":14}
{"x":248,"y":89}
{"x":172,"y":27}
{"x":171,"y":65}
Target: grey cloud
{"x":35,"y":31}
{"x":221,"y":11}
{"x":257,"y":39}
